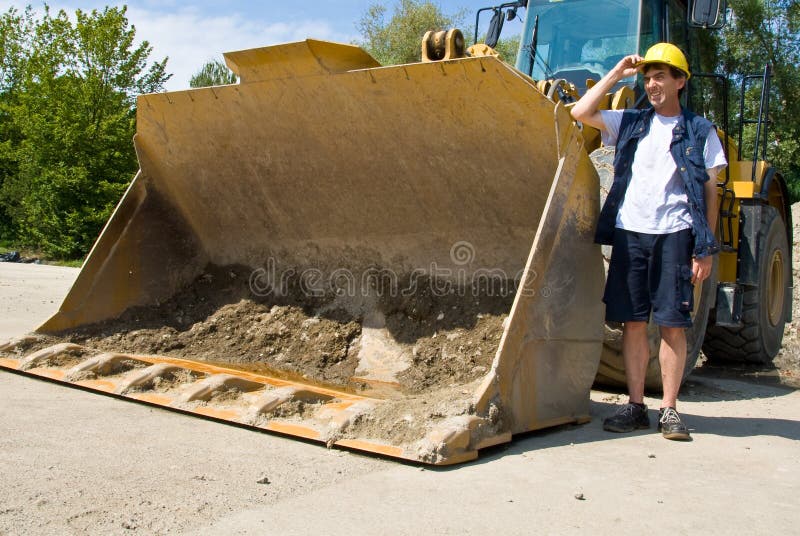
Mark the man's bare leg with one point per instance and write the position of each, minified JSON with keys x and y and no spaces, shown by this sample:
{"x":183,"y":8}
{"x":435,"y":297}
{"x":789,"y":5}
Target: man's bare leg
{"x":636,"y":354}
{"x":672,"y":357}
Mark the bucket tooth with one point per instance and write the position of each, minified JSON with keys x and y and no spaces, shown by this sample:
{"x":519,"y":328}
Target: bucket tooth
{"x":408,"y":265}
{"x":340,"y":419}
{"x":271,"y":400}
{"x":46,"y":356}
{"x":458,"y":437}
{"x":307,"y":395}
{"x":275,"y":397}
{"x":207,"y":388}
{"x":456,"y":431}
{"x":104,"y":364}
{"x":14,"y":344}
{"x":145,"y":377}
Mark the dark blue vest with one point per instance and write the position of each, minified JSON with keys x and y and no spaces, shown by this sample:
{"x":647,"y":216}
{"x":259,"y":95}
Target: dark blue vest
{"x":688,"y":143}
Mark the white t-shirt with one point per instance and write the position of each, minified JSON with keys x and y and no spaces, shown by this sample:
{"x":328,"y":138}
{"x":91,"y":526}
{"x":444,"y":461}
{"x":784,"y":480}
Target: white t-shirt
{"x":656,"y":201}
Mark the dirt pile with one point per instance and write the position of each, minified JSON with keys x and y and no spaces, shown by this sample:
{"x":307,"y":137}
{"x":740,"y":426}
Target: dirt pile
{"x":450,"y":338}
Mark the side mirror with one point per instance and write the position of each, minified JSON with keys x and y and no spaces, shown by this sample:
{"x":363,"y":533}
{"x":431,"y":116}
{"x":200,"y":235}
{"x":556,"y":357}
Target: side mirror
{"x":707,"y":13}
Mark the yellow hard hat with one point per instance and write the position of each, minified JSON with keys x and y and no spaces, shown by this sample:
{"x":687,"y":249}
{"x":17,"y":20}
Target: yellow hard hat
{"x":668,"y":54}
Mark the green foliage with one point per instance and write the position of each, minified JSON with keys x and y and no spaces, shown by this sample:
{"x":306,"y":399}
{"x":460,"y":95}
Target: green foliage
{"x":67,"y":99}
{"x":761,"y":32}
{"x":400,"y":39}
{"x":705,"y":93}
{"x":508,"y":49}
{"x":212,"y":73}
{"x":16,"y":31}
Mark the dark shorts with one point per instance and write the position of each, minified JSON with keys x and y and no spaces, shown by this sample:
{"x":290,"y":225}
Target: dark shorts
{"x":650,"y":272}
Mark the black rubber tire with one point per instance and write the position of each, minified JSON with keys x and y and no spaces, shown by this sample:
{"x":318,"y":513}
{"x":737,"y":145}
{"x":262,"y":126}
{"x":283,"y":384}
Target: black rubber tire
{"x":764,"y":307}
{"x":611,"y":371}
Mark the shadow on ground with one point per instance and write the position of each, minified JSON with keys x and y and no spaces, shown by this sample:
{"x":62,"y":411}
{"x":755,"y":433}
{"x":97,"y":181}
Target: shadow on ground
{"x":593,"y":432}
{"x":721,"y":388}
{"x":759,"y":374}
{"x":748,"y":382}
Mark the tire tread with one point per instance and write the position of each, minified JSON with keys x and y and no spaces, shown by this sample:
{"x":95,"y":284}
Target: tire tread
{"x":743,"y":344}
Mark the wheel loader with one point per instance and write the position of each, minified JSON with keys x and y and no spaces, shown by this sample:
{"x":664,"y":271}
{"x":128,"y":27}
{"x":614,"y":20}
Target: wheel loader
{"x":391,"y":259}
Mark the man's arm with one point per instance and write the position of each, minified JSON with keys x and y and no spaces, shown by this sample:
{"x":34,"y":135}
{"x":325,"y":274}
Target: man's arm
{"x":586,"y":109}
{"x":701,"y":268}
{"x":712,"y":202}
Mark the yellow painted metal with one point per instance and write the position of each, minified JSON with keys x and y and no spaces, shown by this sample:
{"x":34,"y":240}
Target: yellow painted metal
{"x":776,"y":287}
{"x":741,"y":183}
{"x":320,"y":159}
{"x":443,"y":45}
{"x":742,"y":171}
{"x":728,"y":260}
{"x":727,"y":266}
{"x":297,"y":60}
{"x":556,"y":320}
{"x":744,"y":189}
{"x":619,"y":100}
{"x":739,"y":175}
{"x":482,"y":49}
{"x":622,"y":99}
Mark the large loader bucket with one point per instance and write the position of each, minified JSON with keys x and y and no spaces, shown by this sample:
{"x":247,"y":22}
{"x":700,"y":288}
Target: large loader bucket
{"x":397,"y":260}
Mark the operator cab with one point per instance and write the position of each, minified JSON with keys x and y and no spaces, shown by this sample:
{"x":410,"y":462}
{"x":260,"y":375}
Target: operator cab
{"x":581,"y":40}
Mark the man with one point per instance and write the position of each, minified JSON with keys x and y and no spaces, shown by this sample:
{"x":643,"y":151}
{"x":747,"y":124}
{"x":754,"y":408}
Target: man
{"x":659,"y":216}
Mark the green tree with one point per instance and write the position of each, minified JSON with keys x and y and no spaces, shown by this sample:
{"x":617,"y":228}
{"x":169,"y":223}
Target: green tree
{"x":508,"y":48}
{"x":16,"y":31}
{"x":761,"y":32}
{"x":213,"y":73}
{"x":399,"y":40}
{"x":71,"y":112}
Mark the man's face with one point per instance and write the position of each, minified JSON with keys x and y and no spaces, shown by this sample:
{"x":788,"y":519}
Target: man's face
{"x":661,"y":87}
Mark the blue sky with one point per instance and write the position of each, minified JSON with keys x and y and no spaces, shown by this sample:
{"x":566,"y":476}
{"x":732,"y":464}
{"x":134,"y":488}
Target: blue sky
{"x":191,"y":33}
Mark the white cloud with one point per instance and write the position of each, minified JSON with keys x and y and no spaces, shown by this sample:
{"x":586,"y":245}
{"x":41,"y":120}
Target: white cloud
{"x":190,"y":38}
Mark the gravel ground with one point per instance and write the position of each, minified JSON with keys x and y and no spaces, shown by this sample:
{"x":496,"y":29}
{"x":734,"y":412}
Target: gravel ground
{"x":79,"y":463}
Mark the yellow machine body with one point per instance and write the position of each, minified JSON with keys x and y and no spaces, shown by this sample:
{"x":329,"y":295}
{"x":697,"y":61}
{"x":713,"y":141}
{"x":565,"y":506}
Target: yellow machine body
{"x":320,"y":161}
